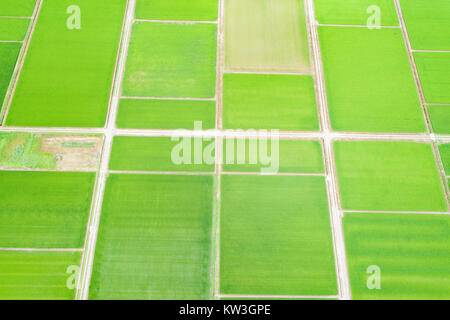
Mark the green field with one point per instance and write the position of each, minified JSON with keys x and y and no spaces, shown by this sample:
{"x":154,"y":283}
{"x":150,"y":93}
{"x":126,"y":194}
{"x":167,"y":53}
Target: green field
{"x":8,"y":57}
{"x":275,"y":236}
{"x":440,"y":118}
{"x":155,"y":154}
{"x":411,"y":251}
{"x":369,"y":82}
{"x":155,"y":238}
{"x":427,"y":23}
{"x":388,"y":176}
{"x":354,"y":12}
{"x":294,"y":156}
{"x":262,"y":101}
{"x":44,"y":209}
{"x":203,"y":10}
{"x":36,"y":275}
{"x":71,"y":86}
{"x":266,"y":35}
{"x":434,"y":69}
{"x":16,"y":8}
{"x":13,"y":29}
{"x":171,"y":60}
{"x":165,"y":114}
{"x":444,"y":149}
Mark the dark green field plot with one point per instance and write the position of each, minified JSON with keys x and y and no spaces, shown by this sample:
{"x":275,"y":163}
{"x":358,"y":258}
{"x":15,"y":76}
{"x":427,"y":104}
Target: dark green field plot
{"x":165,"y":114}
{"x":256,"y":101}
{"x":434,"y":70}
{"x":162,"y":154}
{"x":369,"y":82}
{"x":275,"y":236}
{"x":411,"y":252}
{"x":203,"y":10}
{"x":388,"y":176}
{"x":67,"y":75}
{"x":155,"y":238}
{"x":427,"y":23}
{"x":13,"y":29}
{"x":251,"y":155}
{"x":440,"y":118}
{"x":171,"y":60}
{"x":8,"y":57}
{"x":22,"y":8}
{"x":444,"y":149}
{"x":355,"y":12}
{"x":44,"y":209}
{"x":37,"y":275}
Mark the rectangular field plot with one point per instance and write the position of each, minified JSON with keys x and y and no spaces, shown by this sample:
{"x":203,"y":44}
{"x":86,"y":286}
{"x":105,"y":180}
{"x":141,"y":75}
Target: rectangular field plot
{"x":171,"y":60}
{"x":165,"y":114}
{"x":440,"y":118}
{"x":201,"y":10}
{"x":410,"y":250}
{"x":262,"y":101}
{"x":155,"y":238}
{"x":12,"y":29}
{"x":444,"y":149}
{"x":44,"y":209}
{"x":434,"y":70}
{"x":355,"y":12}
{"x":14,"y":8}
{"x":266,"y":35}
{"x":162,"y":154}
{"x":288,"y":156}
{"x":275,"y":236}
{"x":36,"y":275}
{"x":369,"y":81}
{"x":388,"y":176}
{"x":8,"y":57}
{"x":427,"y":23}
{"x":71,"y":86}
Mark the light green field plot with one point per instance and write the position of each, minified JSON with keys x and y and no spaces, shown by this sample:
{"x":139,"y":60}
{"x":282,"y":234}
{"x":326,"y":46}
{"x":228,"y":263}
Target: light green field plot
{"x":44,"y":209}
{"x":411,"y":252}
{"x":13,"y":29}
{"x":37,"y":275}
{"x":22,"y":8}
{"x":202,"y":10}
{"x":71,"y":86}
{"x":165,"y":114}
{"x":171,"y":60}
{"x":162,"y":154}
{"x":294,"y":156}
{"x":261,"y":101}
{"x":440,"y":118}
{"x":266,"y":35}
{"x":275,"y":236}
{"x":8,"y":57}
{"x":427,"y":23}
{"x":155,"y":238}
{"x":388,"y":176}
{"x":355,"y":12}
{"x":444,"y":149}
{"x":434,"y":70}
{"x":369,"y":81}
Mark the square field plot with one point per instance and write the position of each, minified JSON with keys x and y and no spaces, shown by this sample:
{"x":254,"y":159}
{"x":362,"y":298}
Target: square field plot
{"x":67,"y":74}
{"x":44,"y":209}
{"x":356,"y":12}
{"x":275,"y":236}
{"x":200,"y":10}
{"x":427,"y":23}
{"x":154,"y":240}
{"x":12,"y":29}
{"x":171,"y":60}
{"x":15,"y":8}
{"x":261,"y":101}
{"x":434,"y":70}
{"x":162,"y":154}
{"x":37,"y":275}
{"x":266,"y":35}
{"x":440,"y":118}
{"x":286,"y":156}
{"x":444,"y":149}
{"x":388,"y":176}
{"x":8,"y":57}
{"x":165,"y":114}
{"x":410,"y":252}
{"x":369,"y":81}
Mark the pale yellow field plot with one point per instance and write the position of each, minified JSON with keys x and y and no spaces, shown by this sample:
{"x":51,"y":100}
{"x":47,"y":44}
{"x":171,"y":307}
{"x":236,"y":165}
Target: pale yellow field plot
{"x":266,"y":35}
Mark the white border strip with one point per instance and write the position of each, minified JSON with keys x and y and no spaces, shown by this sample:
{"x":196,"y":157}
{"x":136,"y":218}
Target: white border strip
{"x":176,"y":21}
{"x":262,"y":297}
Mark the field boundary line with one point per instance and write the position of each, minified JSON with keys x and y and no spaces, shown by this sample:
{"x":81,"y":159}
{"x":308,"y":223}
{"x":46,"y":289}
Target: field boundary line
{"x":11,"y":41}
{"x":258,"y":173}
{"x":397,"y":212}
{"x":172,"y":173}
{"x":45,"y":170}
{"x":269,"y":72}
{"x":340,"y":257}
{"x":6,"y":103}
{"x":357,"y":26}
{"x":167,"y":98}
{"x":15,"y":17}
{"x":437,"y":104}
{"x":44,"y":249}
{"x":266,"y":296}
{"x":177,"y":21}
{"x":430,"y":51}
{"x":426,"y":116}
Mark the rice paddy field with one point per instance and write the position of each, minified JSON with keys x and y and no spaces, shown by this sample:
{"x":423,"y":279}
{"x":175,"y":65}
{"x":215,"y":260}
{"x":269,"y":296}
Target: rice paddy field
{"x":224,"y":149}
